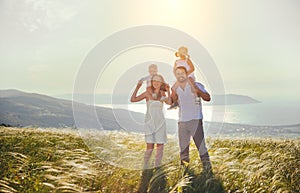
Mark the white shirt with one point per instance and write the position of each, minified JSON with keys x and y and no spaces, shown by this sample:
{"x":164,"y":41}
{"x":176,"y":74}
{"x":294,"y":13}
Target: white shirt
{"x":147,"y":79}
{"x":188,"y":109}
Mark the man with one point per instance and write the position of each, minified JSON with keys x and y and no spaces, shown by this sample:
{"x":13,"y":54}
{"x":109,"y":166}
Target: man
{"x":190,"y":119}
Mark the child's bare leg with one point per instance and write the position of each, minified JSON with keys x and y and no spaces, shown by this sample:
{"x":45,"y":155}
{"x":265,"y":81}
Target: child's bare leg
{"x":194,"y":87}
{"x":195,"y":90}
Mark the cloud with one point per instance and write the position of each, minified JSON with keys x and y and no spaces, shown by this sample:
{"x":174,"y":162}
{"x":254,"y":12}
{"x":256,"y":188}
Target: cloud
{"x":35,"y":15}
{"x":37,"y":68}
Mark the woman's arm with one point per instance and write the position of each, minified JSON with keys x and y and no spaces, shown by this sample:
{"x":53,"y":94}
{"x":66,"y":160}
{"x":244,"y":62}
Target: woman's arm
{"x":191,"y":65}
{"x":135,"y":98}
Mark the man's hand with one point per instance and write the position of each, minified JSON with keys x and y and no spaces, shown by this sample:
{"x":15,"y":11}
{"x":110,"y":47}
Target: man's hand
{"x":204,"y":95}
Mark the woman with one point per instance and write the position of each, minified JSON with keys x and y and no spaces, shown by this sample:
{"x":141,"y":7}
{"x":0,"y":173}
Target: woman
{"x":155,"y":125}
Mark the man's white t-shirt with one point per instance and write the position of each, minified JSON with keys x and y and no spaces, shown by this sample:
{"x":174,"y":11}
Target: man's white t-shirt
{"x":188,"y":109}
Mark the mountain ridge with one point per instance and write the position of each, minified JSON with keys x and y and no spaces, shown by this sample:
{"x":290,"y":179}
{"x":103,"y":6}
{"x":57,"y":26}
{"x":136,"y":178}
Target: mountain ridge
{"x":36,"y":110}
{"x":227,"y":99}
{"x":31,"y":109}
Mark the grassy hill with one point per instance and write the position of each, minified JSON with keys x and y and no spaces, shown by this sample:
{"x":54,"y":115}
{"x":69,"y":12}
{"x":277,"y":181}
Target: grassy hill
{"x":58,"y":160}
{"x":21,"y":109}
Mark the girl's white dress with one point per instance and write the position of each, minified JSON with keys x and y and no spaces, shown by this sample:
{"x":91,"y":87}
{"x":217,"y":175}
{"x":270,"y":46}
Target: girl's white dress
{"x":155,"y":123}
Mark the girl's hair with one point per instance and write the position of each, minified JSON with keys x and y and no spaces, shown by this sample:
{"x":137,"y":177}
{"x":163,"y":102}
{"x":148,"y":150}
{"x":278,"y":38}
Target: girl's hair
{"x":152,"y":66}
{"x":181,"y":48}
{"x":163,"y":83}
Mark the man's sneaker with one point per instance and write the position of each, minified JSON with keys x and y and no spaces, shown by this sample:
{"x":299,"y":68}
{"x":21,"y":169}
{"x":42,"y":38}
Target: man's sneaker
{"x":173,"y":106}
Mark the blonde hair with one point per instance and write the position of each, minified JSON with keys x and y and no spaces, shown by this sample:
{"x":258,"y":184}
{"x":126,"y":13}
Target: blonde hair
{"x":152,"y":66}
{"x":181,"y":48}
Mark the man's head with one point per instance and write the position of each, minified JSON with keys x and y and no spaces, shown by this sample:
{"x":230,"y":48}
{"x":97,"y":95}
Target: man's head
{"x":181,"y":74}
{"x":152,"y":69}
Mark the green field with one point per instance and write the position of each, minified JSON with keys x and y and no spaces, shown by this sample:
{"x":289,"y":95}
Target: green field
{"x":58,"y":160}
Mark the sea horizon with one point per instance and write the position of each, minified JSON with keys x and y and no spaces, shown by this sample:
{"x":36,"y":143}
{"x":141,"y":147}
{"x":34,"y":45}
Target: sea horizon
{"x":239,"y":120}
{"x":248,"y":114}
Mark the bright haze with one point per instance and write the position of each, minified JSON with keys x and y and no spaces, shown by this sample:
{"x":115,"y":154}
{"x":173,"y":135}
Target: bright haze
{"x":255,"y":44}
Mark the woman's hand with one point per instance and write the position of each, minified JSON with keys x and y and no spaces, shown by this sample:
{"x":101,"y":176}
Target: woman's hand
{"x":140,"y":82}
{"x":135,"y":98}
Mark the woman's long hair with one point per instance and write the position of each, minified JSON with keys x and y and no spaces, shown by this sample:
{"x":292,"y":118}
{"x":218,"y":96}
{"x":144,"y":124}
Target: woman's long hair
{"x":163,"y":83}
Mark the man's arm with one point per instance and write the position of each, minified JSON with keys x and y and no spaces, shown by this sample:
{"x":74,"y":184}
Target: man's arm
{"x":174,"y":68}
{"x":202,"y":92}
{"x":204,"y":95}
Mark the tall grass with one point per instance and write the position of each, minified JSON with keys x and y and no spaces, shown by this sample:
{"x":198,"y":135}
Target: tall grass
{"x":58,"y":160}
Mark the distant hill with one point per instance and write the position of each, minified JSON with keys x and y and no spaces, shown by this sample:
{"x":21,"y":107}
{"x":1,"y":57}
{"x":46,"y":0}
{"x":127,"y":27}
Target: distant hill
{"x":228,"y":99}
{"x":31,"y":109}
{"x":35,"y":110}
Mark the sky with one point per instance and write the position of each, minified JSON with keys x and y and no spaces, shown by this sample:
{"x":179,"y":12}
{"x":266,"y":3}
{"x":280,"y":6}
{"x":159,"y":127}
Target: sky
{"x":255,"y":44}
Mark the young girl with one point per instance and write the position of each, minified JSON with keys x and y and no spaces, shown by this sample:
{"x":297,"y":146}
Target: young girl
{"x":155,"y":125}
{"x":184,"y":60}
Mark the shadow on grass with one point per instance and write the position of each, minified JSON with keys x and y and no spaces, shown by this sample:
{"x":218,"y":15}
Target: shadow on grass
{"x":204,"y":182}
{"x":153,"y":181}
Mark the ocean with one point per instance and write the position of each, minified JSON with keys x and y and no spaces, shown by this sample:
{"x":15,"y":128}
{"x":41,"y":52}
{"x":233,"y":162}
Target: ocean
{"x":266,"y":119}
{"x":265,"y":113}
